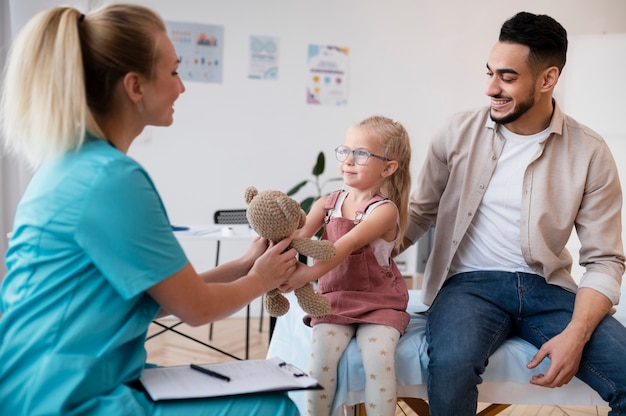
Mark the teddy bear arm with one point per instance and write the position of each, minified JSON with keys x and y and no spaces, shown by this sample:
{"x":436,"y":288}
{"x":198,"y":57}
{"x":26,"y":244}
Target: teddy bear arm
{"x":320,"y":250}
{"x":311,"y":302}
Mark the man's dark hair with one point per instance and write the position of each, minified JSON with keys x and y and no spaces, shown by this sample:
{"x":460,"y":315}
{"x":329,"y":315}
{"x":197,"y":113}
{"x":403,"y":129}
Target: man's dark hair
{"x":545,"y":37}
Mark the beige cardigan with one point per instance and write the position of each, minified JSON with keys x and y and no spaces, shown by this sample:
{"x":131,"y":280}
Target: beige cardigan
{"x":572,"y":182}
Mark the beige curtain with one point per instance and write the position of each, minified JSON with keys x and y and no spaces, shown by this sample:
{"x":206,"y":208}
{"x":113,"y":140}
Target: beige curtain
{"x":14,"y":175}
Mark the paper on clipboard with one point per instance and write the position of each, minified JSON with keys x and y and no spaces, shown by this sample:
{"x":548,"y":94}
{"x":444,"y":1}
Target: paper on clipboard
{"x":246,"y":376}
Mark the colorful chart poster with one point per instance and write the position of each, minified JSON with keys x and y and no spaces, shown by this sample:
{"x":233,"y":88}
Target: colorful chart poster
{"x":263,"y":53}
{"x":327,"y":82}
{"x":200,"y":50}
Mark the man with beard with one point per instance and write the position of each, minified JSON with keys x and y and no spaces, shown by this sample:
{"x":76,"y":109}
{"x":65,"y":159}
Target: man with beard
{"x":504,"y":186}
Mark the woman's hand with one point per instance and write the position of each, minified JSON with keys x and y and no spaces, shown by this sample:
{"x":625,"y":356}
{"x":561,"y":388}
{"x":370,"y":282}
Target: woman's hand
{"x":299,"y":278}
{"x":253,"y":252}
{"x":276,"y":265}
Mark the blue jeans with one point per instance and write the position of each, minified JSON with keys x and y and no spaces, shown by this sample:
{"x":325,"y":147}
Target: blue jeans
{"x":474,"y":313}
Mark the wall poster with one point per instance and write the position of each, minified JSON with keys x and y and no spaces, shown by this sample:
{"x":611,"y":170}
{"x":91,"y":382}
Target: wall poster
{"x":200,"y":49}
{"x":263,"y":55}
{"x":327,"y":82}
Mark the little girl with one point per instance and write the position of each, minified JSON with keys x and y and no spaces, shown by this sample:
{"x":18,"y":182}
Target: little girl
{"x":367,"y":291}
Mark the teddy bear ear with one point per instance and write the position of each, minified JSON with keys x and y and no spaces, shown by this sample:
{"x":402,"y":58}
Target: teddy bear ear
{"x":250,"y":193}
{"x":291,"y":209}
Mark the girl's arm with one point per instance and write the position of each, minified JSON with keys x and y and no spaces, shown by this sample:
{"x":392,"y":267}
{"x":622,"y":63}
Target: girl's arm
{"x":314,"y":220}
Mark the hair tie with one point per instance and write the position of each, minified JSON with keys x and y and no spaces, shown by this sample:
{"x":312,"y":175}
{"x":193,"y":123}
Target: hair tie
{"x":81,"y":18}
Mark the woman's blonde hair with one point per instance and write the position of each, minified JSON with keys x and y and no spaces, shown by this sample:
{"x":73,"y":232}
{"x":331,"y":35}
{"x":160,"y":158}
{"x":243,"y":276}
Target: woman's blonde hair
{"x":397,"y":146}
{"x":62,"y":70}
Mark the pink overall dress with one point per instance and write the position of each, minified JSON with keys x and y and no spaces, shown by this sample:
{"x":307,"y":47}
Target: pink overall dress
{"x":359,"y":289}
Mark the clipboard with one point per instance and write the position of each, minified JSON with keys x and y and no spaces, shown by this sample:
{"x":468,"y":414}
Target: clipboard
{"x":244,"y":377}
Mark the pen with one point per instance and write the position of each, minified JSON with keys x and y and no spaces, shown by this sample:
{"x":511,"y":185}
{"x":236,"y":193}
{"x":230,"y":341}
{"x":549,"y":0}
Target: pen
{"x":209,"y":372}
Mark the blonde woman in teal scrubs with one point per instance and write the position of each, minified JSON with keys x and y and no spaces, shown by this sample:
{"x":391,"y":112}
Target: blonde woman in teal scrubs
{"x":92,"y":259}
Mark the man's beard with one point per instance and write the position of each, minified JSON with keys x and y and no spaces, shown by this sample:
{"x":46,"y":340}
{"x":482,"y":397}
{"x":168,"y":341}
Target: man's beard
{"x":518,"y":111}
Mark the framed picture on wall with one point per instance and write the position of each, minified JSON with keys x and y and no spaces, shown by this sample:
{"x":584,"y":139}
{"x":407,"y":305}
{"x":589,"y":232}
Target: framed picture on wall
{"x":327,"y":77}
{"x":200,"y":50}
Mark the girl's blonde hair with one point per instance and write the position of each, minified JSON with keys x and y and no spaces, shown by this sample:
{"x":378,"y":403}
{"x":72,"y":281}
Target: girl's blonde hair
{"x":397,"y":146}
{"x":62,"y":70}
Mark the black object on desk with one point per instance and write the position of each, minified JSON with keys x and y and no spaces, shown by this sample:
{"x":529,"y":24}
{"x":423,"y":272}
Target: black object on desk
{"x":209,"y":372}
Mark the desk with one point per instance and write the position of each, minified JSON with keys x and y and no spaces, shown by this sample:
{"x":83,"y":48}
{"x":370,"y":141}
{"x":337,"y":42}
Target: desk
{"x":217,"y":234}
{"x":504,"y":381}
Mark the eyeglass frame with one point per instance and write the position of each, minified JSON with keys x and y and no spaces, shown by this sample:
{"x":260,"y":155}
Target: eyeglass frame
{"x":358,"y":149}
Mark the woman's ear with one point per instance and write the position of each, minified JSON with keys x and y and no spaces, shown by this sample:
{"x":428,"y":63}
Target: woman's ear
{"x":133,"y":86}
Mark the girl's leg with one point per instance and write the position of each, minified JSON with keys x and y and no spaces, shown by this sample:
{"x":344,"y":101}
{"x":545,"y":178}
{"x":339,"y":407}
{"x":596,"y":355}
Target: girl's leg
{"x":327,"y":345}
{"x":377,"y":344}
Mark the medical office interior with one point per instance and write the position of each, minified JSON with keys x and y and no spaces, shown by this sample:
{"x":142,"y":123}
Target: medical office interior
{"x":416,"y":61}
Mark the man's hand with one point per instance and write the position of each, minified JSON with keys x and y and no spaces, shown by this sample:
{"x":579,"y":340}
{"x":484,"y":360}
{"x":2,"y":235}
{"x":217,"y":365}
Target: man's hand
{"x":565,"y":352}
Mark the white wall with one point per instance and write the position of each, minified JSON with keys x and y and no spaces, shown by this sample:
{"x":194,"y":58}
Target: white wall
{"x":414,"y":60}
{"x":592,"y":91}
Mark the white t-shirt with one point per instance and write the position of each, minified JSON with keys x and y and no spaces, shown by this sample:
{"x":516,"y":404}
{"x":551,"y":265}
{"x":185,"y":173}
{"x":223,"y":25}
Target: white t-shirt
{"x":492,"y":241}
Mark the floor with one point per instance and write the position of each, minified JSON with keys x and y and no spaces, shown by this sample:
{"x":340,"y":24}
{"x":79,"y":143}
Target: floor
{"x":228,"y":335}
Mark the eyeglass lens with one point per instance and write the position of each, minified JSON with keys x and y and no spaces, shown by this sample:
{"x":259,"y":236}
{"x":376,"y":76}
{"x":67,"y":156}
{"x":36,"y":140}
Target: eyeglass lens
{"x":360,"y":156}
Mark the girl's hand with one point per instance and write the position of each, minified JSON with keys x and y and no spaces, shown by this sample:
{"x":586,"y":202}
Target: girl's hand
{"x":299,"y":278}
{"x":276,"y":265}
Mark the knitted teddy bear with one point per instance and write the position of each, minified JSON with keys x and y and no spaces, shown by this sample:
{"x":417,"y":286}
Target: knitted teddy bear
{"x":275,"y":216}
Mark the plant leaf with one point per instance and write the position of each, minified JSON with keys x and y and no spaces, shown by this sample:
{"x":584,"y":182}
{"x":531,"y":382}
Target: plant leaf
{"x":332,"y":180}
{"x":307,"y":203}
{"x":296,"y":188}
{"x":318,"y":169}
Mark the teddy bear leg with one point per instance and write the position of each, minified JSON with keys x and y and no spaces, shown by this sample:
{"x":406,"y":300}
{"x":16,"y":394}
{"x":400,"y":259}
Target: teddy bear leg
{"x":311,"y":302}
{"x":275,"y":303}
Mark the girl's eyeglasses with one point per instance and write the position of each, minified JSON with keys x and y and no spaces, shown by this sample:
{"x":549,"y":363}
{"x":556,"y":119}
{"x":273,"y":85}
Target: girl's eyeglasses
{"x":360,"y":155}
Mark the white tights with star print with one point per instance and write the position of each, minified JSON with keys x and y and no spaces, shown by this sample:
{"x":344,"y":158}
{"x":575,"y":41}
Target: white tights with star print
{"x":377,"y":345}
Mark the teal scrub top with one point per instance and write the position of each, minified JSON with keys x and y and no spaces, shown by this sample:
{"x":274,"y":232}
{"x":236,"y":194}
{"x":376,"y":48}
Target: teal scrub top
{"x":90,"y":236}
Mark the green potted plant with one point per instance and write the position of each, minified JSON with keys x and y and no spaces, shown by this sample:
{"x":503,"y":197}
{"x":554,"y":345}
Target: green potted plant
{"x":317,"y":172}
